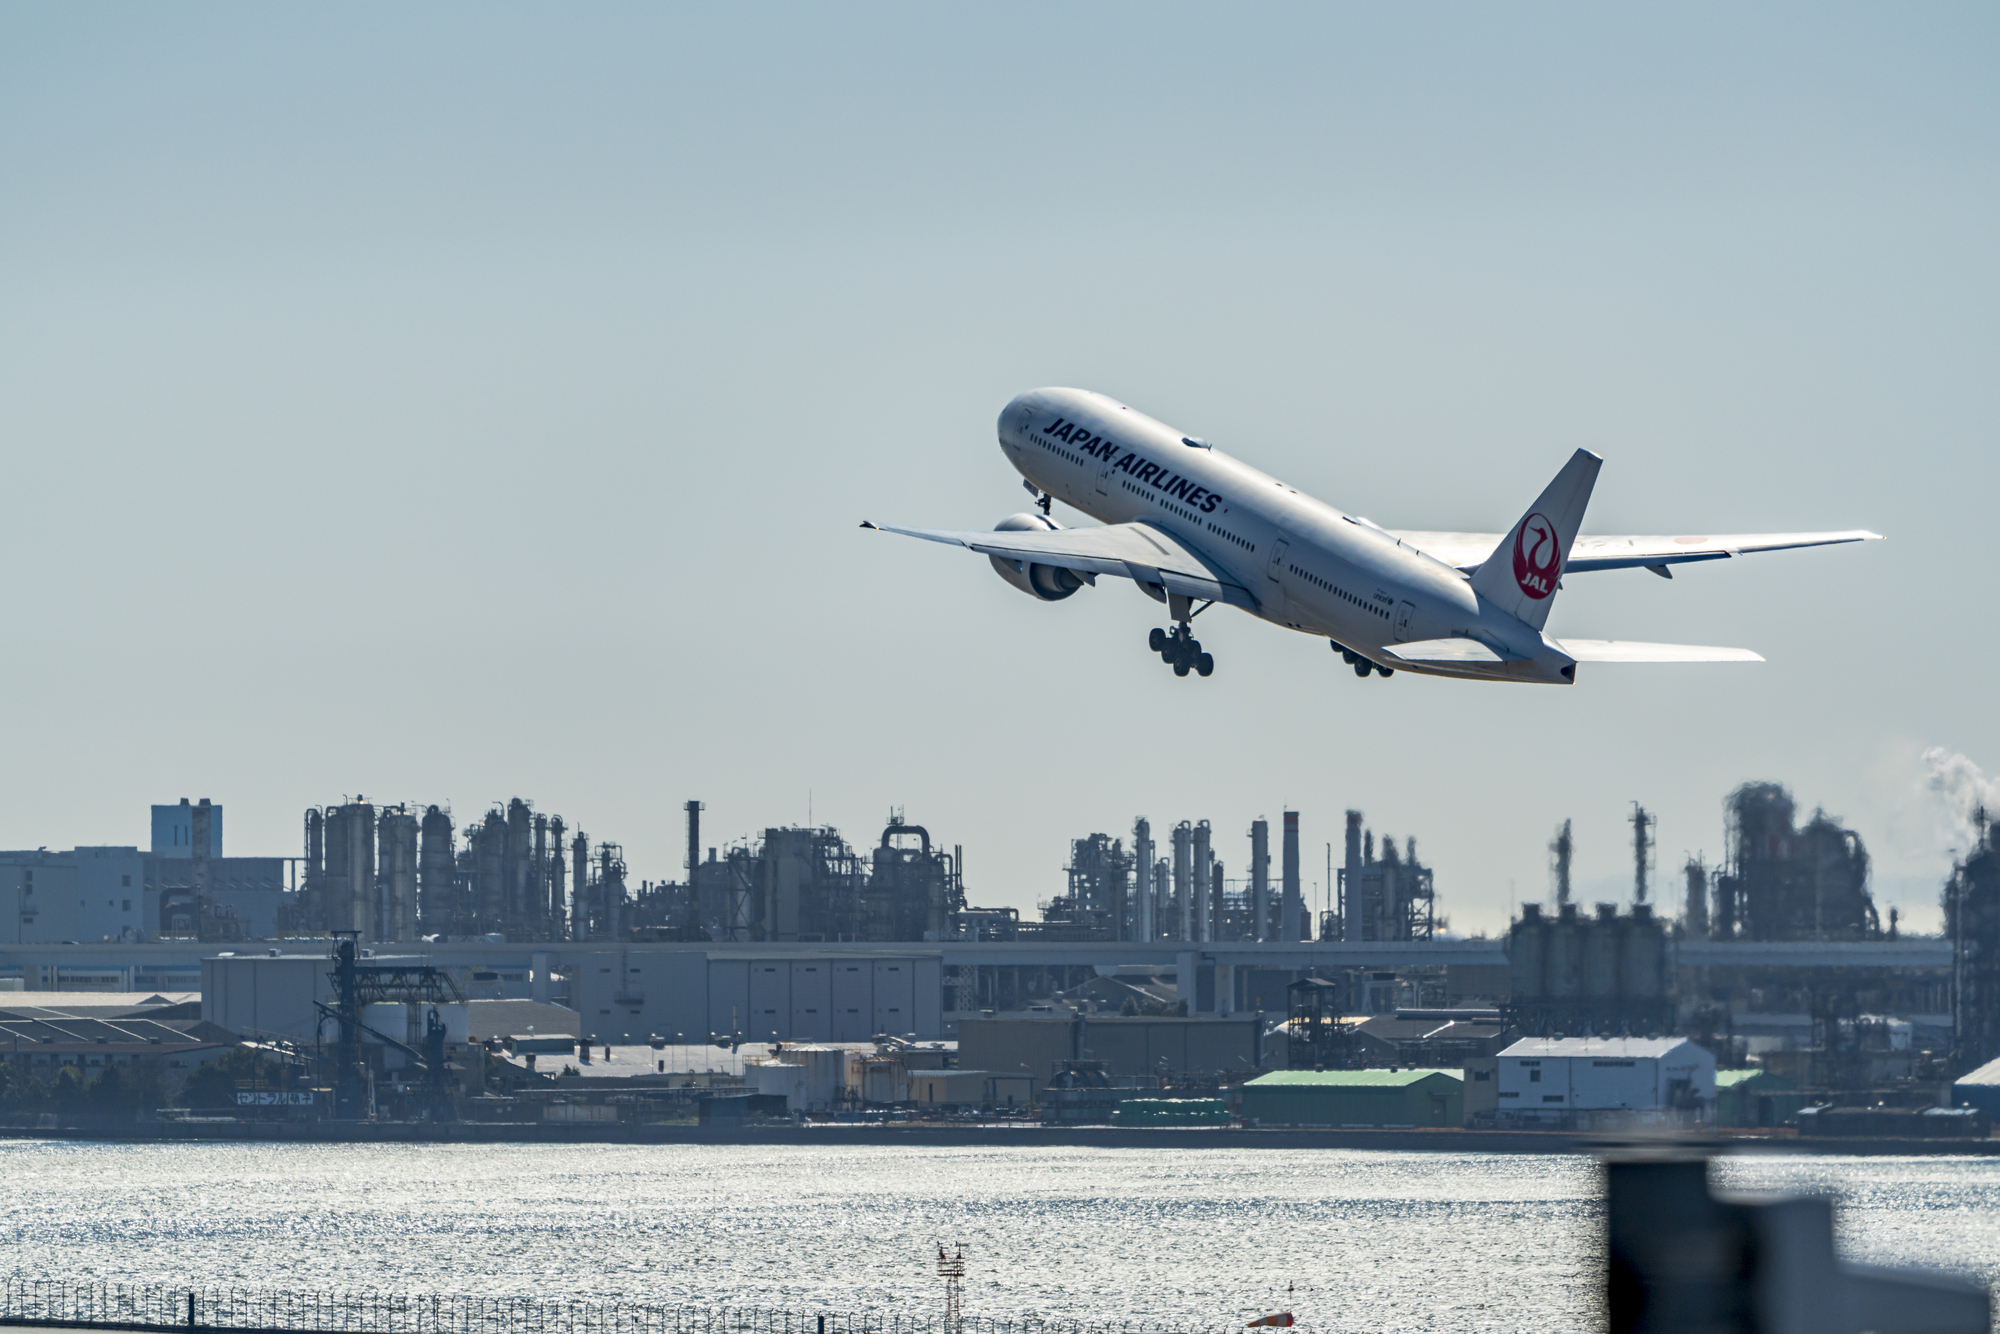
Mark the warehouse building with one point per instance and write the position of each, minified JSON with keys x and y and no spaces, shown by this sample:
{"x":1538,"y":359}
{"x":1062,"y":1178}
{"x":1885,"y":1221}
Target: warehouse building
{"x":1127,"y":1046}
{"x":1369,"y":1099}
{"x":1571,"y":1082}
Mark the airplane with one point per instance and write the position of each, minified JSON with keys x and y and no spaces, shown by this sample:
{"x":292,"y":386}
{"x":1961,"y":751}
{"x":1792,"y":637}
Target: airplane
{"x":1194,"y":528}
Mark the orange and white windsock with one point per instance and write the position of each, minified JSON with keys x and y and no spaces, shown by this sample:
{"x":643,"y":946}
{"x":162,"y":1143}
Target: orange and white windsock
{"x":1281,"y":1319}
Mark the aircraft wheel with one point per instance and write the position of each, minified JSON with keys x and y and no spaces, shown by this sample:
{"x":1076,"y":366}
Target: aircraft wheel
{"x":1181,"y":667}
{"x":1157,"y":640}
{"x":1205,"y":664}
{"x":1386,"y":671}
{"x":1347,"y":656}
{"x":1362,"y":667}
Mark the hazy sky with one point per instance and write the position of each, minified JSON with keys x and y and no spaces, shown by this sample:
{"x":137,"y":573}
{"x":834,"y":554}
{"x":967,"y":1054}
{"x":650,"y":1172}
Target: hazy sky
{"x":445,"y":403}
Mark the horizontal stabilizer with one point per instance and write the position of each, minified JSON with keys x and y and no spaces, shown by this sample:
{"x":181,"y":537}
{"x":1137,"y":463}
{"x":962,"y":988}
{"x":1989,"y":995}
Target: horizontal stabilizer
{"x":1628,"y":650}
{"x":1447,"y":651}
{"x":1469,"y":551}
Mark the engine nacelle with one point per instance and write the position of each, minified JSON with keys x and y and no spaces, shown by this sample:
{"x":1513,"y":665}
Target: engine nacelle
{"x":1050,"y":583}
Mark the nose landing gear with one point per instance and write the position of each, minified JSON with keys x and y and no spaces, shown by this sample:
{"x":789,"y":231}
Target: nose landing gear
{"x":1180,"y":650}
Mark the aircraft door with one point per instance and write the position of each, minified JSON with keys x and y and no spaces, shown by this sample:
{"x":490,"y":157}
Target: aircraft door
{"x":1277,"y":558}
{"x":1404,"y":611}
{"x":1104,"y":477}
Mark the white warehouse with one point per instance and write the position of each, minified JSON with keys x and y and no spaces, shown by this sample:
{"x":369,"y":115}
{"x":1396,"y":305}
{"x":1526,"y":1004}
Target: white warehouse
{"x":1562,"y":1081}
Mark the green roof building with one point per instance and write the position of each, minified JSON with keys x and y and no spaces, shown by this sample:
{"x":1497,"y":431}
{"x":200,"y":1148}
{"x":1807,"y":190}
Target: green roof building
{"x":1381,"y":1099}
{"x":1748,"y":1099}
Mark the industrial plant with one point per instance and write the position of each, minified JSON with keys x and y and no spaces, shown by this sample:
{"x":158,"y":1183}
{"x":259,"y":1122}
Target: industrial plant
{"x":409,"y":965}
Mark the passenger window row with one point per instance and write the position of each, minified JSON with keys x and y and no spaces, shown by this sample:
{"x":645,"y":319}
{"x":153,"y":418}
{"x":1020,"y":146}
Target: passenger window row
{"x":1338,"y":592}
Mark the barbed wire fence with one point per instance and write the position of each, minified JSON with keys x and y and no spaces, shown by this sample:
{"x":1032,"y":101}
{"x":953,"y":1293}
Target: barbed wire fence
{"x":131,"y":1306}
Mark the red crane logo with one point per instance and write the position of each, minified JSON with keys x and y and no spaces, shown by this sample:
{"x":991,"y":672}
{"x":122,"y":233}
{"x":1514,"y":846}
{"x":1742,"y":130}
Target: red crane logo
{"x":1537,"y":559}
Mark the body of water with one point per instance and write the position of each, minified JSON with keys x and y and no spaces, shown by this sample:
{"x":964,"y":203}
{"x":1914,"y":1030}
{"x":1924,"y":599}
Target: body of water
{"x":1187,"y":1239}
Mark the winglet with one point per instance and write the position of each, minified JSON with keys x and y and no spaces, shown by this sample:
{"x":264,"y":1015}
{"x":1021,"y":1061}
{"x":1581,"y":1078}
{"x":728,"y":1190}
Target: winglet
{"x":1524,"y":571}
{"x":866,"y":524}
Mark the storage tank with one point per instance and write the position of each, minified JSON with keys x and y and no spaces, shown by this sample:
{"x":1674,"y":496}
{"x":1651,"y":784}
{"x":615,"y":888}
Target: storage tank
{"x":1644,"y":946}
{"x":1527,"y":954}
{"x":1600,"y":953}
{"x":1565,"y":955}
{"x":884,"y":1080}
{"x":778,"y":1079}
{"x":826,"y":1074}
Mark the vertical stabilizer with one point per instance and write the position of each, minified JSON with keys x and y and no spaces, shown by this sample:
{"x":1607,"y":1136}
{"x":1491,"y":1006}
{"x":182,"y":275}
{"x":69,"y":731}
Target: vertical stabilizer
{"x":1521,"y":576}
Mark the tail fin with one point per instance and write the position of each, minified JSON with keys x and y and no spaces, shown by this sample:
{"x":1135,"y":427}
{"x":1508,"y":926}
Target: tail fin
{"x":1521,"y":575}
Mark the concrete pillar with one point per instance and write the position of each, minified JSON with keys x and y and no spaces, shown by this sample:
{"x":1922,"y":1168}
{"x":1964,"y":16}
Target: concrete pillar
{"x":1225,"y":988}
{"x":538,"y":964}
{"x":1184,"y":981}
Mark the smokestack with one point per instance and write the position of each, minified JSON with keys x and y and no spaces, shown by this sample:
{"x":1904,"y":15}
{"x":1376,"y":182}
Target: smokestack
{"x":692,"y":923}
{"x":1356,"y":857}
{"x":1293,"y":904}
{"x":1260,"y":879}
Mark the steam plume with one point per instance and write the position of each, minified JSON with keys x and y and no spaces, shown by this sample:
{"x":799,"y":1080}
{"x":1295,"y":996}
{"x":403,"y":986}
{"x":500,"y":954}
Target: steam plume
{"x":1960,"y":788}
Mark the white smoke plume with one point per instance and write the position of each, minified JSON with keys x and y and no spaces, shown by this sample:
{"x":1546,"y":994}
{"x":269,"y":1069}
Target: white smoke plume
{"x":1959,"y":789}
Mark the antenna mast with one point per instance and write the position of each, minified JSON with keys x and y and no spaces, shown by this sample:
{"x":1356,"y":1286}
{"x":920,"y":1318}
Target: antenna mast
{"x":951,"y":1268}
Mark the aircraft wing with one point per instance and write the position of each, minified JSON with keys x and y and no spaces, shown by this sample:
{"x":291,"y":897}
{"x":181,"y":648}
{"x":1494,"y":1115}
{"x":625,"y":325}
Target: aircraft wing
{"x":1627,"y":650}
{"x":1135,"y":551}
{"x":1468,"y":551}
{"x":1471,"y":653}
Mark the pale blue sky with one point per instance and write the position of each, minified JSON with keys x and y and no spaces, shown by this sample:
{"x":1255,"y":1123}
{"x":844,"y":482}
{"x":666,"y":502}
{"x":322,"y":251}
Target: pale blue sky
{"x":445,"y":403}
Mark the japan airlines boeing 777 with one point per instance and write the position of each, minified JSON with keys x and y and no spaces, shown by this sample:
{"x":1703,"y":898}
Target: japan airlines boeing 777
{"x":1193,"y":527}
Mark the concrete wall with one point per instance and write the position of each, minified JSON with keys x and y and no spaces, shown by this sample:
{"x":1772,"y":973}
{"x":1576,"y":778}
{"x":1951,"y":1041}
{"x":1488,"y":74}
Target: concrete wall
{"x":633,"y":992}
{"x":249,"y":994}
{"x":1129,"y":1046}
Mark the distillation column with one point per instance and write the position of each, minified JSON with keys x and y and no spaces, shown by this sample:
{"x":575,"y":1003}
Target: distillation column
{"x":1142,"y":873}
{"x":579,"y":899}
{"x":437,"y":866}
{"x":1183,"y":907}
{"x":1204,"y":863}
{"x":396,"y":862}
{"x":558,"y":873}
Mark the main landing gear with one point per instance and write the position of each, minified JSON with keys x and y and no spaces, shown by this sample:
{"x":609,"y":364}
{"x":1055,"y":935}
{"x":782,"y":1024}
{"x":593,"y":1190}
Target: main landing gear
{"x":1361,"y":665}
{"x":1180,"y":650}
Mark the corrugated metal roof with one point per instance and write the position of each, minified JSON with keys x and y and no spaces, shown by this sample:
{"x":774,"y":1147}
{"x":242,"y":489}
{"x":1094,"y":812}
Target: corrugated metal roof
{"x":1988,"y":1073}
{"x":1642,"y":1048}
{"x":1347,"y":1078}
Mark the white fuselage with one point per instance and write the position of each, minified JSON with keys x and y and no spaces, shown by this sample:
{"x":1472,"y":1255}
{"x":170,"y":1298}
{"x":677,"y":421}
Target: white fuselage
{"x":1309,"y":566}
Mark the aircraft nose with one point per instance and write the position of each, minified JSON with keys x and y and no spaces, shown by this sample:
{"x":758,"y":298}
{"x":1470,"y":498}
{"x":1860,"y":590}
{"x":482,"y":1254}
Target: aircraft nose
{"x":1018,"y":416}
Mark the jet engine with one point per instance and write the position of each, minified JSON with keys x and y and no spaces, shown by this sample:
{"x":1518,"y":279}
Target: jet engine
{"x":1050,"y":583}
